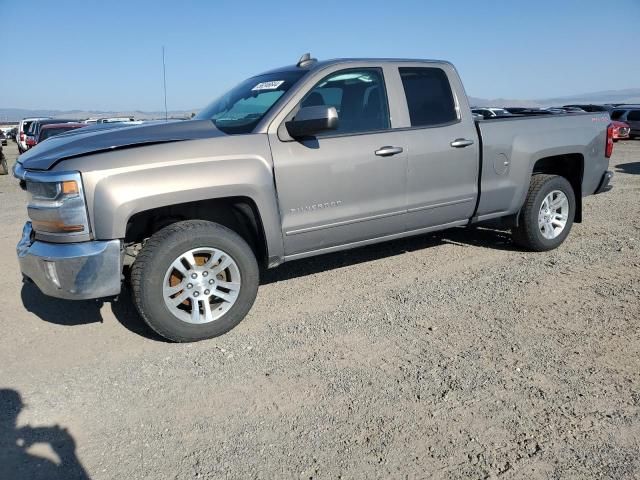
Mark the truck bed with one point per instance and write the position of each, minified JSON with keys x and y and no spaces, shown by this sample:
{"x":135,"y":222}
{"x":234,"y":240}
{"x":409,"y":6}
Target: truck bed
{"x":509,"y":144}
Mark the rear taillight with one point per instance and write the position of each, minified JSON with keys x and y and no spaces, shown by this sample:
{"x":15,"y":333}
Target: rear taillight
{"x":21,"y":136}
{"x":609,"y":148}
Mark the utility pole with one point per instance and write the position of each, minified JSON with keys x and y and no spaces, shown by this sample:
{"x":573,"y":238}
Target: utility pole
{"x":164,"y":81}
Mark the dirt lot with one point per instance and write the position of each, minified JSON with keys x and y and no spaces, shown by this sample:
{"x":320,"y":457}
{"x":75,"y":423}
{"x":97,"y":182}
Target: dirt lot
{"x":448,"y":356}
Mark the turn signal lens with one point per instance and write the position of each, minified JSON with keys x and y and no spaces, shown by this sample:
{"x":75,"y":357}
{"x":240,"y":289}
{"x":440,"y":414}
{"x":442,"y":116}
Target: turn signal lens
{"x":70,"y":187}
{"x":54,"y":226}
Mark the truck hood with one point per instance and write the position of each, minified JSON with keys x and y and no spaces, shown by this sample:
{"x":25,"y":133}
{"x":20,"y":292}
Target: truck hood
{"x":111,"y":137}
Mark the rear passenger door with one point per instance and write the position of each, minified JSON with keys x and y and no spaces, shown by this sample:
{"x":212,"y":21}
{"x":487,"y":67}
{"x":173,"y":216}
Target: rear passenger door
{"x":442,"y":146}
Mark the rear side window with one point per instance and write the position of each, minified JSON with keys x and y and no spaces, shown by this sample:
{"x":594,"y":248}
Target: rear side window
{"x":429,"y":96}
{"x":617,"y":114}
{"x":633,"y":116}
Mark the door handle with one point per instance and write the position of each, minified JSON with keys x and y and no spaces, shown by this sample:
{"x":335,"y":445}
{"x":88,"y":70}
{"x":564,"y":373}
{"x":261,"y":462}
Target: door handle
{"x":461,"y":143}
{"x":388,"y":151}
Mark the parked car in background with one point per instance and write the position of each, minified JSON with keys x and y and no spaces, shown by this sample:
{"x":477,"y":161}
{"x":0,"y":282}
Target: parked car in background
{"x":116,"y":120}
{"x":490,"y":112}
{"x":109,"y":120}
{"x":36,"y":126}
{"x":528,"y":111}
{"x":570,"y":109}
{"x":590,"y":107}
{"x":516,"y":110}
{"x":620,"y":130}
{"x":300,"y":161}
{"x":4,"y":168}
{"x":23,"y":129}
{"x":3,"y":138}
{"x":53,"y":129}
{"x":630,"y":116}
{"x":626,"y":105}
{"x":555,"y":110}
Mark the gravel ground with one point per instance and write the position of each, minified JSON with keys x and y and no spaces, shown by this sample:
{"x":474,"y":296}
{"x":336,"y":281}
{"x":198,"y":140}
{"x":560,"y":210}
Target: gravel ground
{"x":452,"y":355}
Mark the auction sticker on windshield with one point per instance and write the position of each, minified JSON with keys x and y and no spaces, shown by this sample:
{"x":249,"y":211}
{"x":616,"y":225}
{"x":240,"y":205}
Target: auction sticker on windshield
{"x":268,"y":85}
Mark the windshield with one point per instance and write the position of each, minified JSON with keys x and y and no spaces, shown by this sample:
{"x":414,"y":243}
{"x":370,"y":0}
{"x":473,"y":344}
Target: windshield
{"x":240,"y":110}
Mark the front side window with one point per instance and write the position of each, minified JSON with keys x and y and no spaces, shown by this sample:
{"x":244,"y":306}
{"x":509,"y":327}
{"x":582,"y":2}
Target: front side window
{"x":359,"y":97}
{"x":242,"y":108}
{"x":429,"y":96}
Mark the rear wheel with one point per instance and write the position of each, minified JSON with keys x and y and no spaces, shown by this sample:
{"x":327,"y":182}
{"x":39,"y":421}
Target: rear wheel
{"x":194,"y":280}
{"x":547,"y":215}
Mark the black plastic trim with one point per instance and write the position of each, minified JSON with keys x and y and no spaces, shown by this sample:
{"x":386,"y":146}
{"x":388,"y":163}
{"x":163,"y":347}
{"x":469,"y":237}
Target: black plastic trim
{"x":604,"y":186}
{"x":480,"y":162}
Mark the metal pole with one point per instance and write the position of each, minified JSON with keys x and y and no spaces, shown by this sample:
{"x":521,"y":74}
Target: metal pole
{"x":164,"y":79}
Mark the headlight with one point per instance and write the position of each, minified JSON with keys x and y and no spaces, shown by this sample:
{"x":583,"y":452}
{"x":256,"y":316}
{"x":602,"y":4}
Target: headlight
{"x":56,"y":204}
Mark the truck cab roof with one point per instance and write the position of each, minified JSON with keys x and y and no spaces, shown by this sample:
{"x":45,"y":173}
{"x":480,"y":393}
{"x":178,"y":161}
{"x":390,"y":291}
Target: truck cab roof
{"x":320,"y":64}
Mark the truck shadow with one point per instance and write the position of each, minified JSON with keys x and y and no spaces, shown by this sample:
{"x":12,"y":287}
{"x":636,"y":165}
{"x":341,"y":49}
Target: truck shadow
{"x":73,"y":313}
{"x":632,"y":168}
{"x":484,"y":237}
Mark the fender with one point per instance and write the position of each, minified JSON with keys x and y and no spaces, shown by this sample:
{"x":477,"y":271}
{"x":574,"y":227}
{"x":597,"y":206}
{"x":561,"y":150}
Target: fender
{"x":120,"y":184}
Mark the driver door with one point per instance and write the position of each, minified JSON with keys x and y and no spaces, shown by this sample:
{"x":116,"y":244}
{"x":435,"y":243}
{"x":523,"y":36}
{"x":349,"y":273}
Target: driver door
{"x":346,"y":185}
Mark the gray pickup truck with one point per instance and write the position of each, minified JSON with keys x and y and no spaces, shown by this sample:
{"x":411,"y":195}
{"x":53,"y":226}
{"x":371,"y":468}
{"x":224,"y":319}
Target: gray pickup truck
{"x":303,"y":160}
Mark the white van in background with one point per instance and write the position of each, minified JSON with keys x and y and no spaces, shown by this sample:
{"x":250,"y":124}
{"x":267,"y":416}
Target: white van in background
{"x":93,"y":121}
{"x":23,"y":128}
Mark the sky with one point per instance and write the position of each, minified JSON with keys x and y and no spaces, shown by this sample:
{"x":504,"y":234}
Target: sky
{"x":107,"y":55}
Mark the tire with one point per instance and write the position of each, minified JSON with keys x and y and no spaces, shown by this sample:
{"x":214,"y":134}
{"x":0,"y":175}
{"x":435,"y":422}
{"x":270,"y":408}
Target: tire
{"x":169,"y":247}
{"x":529,"y":234}
{"x":4,"y":168}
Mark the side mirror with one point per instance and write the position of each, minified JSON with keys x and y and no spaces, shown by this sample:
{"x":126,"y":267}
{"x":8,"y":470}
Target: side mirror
{"x":312,"y":120}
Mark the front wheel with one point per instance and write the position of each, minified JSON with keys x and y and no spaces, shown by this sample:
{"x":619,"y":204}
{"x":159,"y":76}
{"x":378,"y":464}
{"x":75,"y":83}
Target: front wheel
{"x":194,"y":280}
{"x":547,"y":214}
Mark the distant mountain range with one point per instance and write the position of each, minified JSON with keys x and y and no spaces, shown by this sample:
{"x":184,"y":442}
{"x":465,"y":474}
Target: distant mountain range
{"x":631,"y":95}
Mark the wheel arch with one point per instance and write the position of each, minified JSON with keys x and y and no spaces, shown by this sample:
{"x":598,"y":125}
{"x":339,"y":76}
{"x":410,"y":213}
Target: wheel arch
{"x":238,"y":213}
{"x":569,"y":166}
